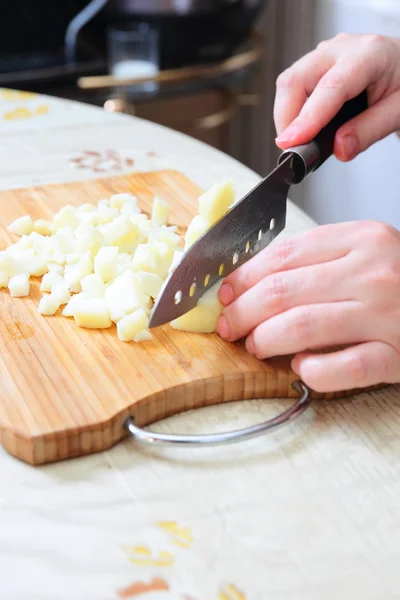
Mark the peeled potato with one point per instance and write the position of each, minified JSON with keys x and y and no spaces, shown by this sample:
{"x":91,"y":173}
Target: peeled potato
{"x":203,"y":318}
{"x":214,"y":203}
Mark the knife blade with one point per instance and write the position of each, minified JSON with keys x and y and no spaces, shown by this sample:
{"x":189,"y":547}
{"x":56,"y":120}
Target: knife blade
{"x":249,"y":226}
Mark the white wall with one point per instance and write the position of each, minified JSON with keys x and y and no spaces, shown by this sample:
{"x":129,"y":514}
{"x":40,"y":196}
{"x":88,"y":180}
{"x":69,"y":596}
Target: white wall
{"x":369,"y":187}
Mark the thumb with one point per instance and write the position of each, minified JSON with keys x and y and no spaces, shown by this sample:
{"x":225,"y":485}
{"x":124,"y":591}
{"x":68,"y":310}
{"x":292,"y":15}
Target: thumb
{"x":373,"y":125}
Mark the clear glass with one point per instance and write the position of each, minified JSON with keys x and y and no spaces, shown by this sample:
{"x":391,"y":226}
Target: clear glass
{"x":133,"y":51}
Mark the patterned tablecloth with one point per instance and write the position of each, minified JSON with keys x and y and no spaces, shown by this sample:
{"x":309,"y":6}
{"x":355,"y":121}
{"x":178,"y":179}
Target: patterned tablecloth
{"x":307,"y":513}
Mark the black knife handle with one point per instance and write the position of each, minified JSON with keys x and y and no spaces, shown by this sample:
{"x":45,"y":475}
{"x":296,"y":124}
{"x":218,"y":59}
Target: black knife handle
{"x":309,"y":157}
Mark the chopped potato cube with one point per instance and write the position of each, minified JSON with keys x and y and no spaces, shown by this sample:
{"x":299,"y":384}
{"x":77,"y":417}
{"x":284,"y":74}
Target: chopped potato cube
{"x":43,"y":227}
{"x":214,"y":203}
{"x":117,"y":229}
{"x":118,"y":201}
{"x":145,"y":258}
{"x":160,"y":212}
{"x":3,"y":280}
{"x":49,"y":280}
{"x":105,"y":263}
{"x":61,"y":293}
{"x":9,"y":265}
{"x":66,"y":217}
{"x":130,"y":325}
{"x":55,"y":268}
{"x":124,"y":296}
{"x":143,"y":336}
{"x":92,"y":313}
{"x":48,"y":305}
{"x":204,"y":317}
{"x":196,"y":229}
{"x":22,"y":226}
{"x":151,"y":283}
{"x":93,"y":286}
{"x":19,"y":285}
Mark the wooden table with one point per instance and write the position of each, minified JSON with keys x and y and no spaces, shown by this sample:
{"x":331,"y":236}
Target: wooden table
{"x":307,"y":513}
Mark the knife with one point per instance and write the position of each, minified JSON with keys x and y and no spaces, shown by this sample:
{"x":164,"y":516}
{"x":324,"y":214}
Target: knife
{"x":249,"y":226}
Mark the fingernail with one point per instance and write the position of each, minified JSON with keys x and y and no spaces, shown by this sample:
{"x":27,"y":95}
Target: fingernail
{"x":226,"y":294}
{"x":223,"y":328}
{"x":348,"y":147}
{"x":289,"y":133}
{"x":250,"y":347}
{"x":295,"y":365}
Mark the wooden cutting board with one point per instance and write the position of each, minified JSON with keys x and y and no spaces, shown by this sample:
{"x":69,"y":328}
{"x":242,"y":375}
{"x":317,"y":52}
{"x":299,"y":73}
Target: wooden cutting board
{"x":66,"y":391}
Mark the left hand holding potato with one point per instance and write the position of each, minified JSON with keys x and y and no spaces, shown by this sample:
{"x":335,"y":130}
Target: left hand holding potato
{"x":337,"y":285}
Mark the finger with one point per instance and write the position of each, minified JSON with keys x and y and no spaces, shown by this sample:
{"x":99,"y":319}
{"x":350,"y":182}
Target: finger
{"x":375,"y":124}
{"x":364,"y":365}
{"x":279,"y":292}
{"x":317,"y":246}
{"x":295,"y":84}
{"x":344,"y":81}
{"x":310,"y":327}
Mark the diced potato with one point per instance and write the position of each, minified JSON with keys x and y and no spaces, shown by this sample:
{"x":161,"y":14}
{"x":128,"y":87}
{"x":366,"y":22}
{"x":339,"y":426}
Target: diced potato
{"x":160,"y":212}
{"x":118,"y":201}
{"x":58,"y":257}
{"x":204,"y":317}
{"x":66,"y":217}
{"x":128,"y":209}
{"x":106,"y":214}
{"x":48,"y":305}
{"x":89,"y":218}
{"x":93,"y":286}
{"x":214,"y":203}
{"x":19,"y":285}
{"x":22,"y":226}
{"x":176,"y":259}
{"x":43,"y":227}
{"x":9,"y":265}
{"x":61,"y":293}
{"x":117,"y":229}
{"x":143,"y":336}
{"x":164,"y":254}
{"x":131,"y":325}
{"x":105,"y":263}
{"x":128,"y":243}
{"x":88,"y":238}
{"x":145,"y":258}
{"x":73,"y":274}
{"x":196,"y":229}
{"x":92,"y":313}
{"x":165,"y":234}
{"x":69,"y":309}
{"x":63,"y":240}
{"x":151,"y":283}
{"x":86,"y":208}
{"x":124,"y":295}
{"x":55,"y":268}
{"x":73,"y":257}
{"x":49,"y":280}
{"x":3,"y":280}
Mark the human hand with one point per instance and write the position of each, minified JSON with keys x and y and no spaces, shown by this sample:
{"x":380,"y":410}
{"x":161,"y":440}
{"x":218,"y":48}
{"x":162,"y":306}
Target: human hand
{"x":312,"y":91}
{"x":336,"y":285}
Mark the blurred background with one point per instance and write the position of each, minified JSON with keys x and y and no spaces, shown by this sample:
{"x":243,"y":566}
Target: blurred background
{"x":206,"y":68}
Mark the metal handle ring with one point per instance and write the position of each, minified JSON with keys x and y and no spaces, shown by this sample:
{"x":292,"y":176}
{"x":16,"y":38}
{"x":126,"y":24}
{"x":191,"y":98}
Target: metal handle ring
{"x":229,"y":437}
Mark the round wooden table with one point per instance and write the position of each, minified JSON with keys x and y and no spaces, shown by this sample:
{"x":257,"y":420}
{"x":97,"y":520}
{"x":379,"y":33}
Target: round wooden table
{"x":309,"y":512}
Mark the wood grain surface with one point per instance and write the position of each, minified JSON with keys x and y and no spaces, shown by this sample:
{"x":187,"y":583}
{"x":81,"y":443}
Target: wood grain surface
{"x":66,"y":391}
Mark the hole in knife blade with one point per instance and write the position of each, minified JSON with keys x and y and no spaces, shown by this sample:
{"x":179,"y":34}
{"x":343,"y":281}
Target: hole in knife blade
{"x":207,"y":280}
{"x":235,"y":258}
{"x":272,"y":224}
{"x":192,"y":290}
{"x":248,"y":246}
{"x":221,"y":270}
{"x":260,"y":234}
{"x":178,"y":297}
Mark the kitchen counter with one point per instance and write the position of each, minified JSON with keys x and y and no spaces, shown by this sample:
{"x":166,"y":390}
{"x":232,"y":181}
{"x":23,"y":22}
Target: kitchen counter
{"x":309,"y":512}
